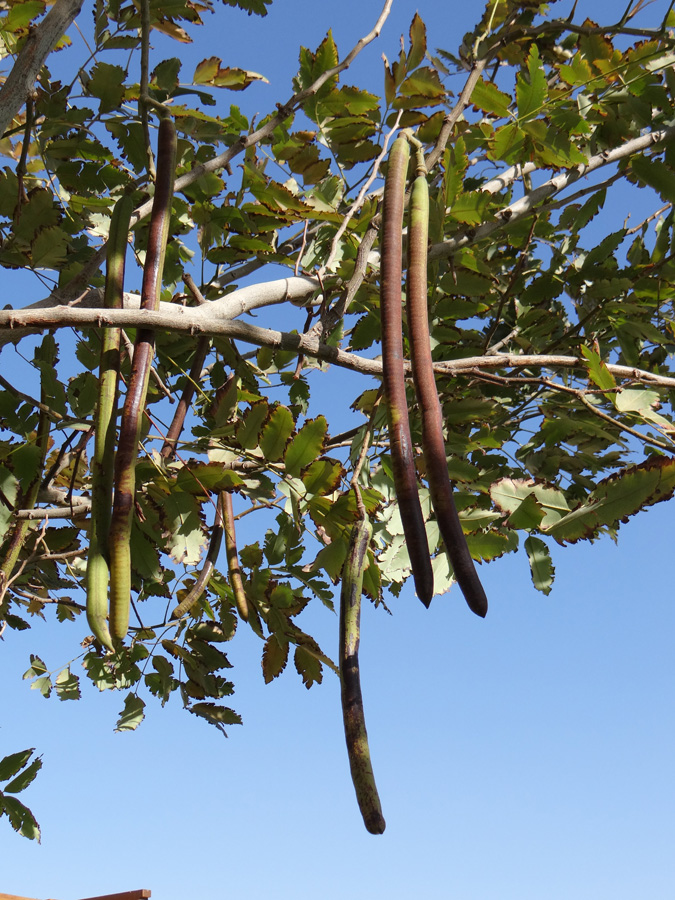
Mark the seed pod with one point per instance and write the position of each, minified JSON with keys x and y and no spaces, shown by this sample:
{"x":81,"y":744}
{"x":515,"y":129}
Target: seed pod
{"x":134,"y":405}
{"x":350,"y":679}
{"x":402,"y":457}
{"x":233,"y":568}
{"x":433,"y":443}
{"x":102,"y":467}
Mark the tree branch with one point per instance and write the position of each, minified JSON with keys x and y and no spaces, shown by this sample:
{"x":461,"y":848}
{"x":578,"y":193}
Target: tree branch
{"x":526,"y":205}
{"x":39,"y":44}
{"x":199,"y":321}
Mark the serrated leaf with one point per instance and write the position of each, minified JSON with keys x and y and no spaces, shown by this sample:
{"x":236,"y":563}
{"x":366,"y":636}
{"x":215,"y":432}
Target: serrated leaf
{"x":23,"y":779}
{"x":107,"y":85}
{"x":418,"y":42}
{"x":306,"y":446}
{"x":276,"y":433}
{"x":635,"y":400}
{"x":250,"y":427}
{"x":469,"y":207}
{"x":528,"y":515}
{"x":37,"y":668}
{"x":508,"y":144}
{"x":275,"y":657}
{"x":597,"y":370}
{"x":531,"y":93}
{"x":179,"y":514}
{"x":210,"y":71}
{"x":617,"y":498}
{"x":541,"y":566}
{"x":10,"y":765}
{"x":67,"y":685}
{"x":485,"y":546}
{"x":323,"y":476}
{"x":132,"y":715}
{"x":509,"y":493}
{"x":216,"y":715}
{"x":207,"y":478}
{"x":490,"y":99}
{"x":308,"y":667}
{"x":20,"y":818}
{"x":656,"y":174}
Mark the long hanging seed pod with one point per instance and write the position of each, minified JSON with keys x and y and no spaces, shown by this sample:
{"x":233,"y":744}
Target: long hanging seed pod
{"x":356,"y":735}
{"x":134,"y":405}
{"x":403,"y":460}
{"x":433,"y":443}
{"x":103,"y":463}
{"x":233,"y":567}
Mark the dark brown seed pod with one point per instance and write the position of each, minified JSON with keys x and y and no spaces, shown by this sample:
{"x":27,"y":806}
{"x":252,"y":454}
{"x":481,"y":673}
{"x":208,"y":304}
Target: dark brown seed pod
{"x":391,"y":307}
{"x":356,"y":735}
{"x":433,"y":443}
{"x":134,"y":405}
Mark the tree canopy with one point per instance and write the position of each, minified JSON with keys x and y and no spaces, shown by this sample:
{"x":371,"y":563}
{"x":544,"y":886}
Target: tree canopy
{"x":549,"y":311}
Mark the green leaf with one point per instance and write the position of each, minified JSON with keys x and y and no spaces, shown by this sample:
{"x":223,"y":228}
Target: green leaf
{"x":107,"y":84}
{"x":418,"y":43}
{"x":490,"y":99}
{"x":616,"y":498}
{"x":67,"y":685}
{"x":306,"y":446}
{"x":275,"y":657}
{"x":469,"y":207}
{"x":20,"y":818}
{"x":25,"y":778}
{"x":216,"y":715}
{"x":598,"y":371}
{"x":255,"y":7}
{"x":308,"y":667}
{"x":250,"y":428}
{"x":323,"y":476}
{"x":656,"y":174}
{"x":508,"y":143}
{"x":541,"y":566}
{"x":13,"y":763}
{"x":132,"y":715}
{"x":210,"y":71}
{"x":276,"y":433}
{"x":180,"y":515}
{"x":207,"y":478}
{"x":508,"y":494}
{"x":531,"y":93}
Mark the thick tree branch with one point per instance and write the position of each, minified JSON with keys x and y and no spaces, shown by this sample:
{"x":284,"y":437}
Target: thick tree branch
{"x":39,"y":44}
{"x":229,"y":306}
{"x":198,"y":321}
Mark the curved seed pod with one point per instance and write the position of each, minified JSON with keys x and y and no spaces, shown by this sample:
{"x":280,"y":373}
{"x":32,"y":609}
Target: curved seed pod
{"x":134,"y":405}
{"x":236,"y":580}
{"x":199,"y":586}
{"x":433,"y":443}
{"x":11,"y":551}
{"x":403,"y":461}
{"x":350,"y":679}
{"x":102,"y":467}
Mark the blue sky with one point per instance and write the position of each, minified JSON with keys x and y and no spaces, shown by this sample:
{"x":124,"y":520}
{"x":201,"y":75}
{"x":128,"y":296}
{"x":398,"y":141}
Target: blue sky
{"x":525,"y":756}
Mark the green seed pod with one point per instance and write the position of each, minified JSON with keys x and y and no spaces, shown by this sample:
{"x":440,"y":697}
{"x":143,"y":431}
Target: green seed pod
{"x":103,"y":463}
